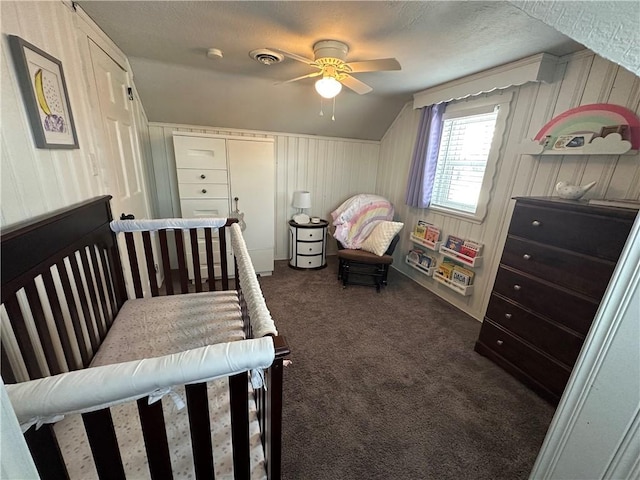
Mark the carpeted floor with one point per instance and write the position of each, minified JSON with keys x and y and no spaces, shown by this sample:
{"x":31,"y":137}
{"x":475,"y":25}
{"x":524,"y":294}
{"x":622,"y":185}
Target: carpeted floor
{"x":387,"y":386}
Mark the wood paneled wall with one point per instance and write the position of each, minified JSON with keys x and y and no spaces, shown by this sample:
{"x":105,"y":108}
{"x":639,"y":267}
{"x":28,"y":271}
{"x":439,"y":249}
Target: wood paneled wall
{"x":581,"y":79}
{"x":332,"y":169}
{"x":35,"y":181}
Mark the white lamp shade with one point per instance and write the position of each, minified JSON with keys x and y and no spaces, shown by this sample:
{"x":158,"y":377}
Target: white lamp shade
{"x":328,"y":87}
{"x":301,"y":199}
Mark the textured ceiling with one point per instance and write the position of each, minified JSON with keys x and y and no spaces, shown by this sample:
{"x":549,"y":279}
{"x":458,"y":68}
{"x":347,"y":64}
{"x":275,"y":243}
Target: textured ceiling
{"x":166,"y":43}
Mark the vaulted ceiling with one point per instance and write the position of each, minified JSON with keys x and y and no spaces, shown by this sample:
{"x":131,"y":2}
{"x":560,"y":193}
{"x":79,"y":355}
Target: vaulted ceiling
{"x":167,"y":41}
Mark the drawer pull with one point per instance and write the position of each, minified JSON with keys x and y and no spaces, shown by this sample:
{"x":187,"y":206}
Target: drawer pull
{"x":517,"y":288}
{"x":204,"y":190}
{"x":536,"y":223}
{"x":203,"y":176}
{"x":508,"y":316}
{"x":526,"y":256}
{"x":499,"y":342}
{"x":310,"y":249}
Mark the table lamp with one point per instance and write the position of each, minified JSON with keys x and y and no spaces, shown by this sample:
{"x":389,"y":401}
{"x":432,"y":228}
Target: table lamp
{"x":301,"y":200}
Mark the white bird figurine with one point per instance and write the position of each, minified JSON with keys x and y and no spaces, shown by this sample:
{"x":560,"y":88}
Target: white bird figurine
{"x":572,"y":192}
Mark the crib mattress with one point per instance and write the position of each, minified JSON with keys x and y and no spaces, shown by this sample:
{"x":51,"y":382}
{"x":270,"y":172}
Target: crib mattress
{"x":157,"y":326}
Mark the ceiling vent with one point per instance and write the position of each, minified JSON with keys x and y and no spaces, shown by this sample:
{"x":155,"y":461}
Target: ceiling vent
{"x":266,"y":57}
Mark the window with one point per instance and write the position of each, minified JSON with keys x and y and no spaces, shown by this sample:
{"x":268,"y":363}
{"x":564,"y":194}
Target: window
{"x":469,"y":146}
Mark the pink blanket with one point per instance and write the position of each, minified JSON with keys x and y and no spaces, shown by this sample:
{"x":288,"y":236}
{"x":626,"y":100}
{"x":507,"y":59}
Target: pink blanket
{"x":355,"y":218}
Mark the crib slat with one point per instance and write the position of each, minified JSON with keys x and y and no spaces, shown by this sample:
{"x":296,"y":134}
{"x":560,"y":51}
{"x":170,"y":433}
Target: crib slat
{"x":155,"y":439}
{"x":91,"y":286}
{"x":93,"y":337}
{"x":56,"y":309}
{"x":110,"y":293}
{"x":274,"y":378}
{"x":73,"y":311}
{"x":239,"y":400}
{"x":151,"y":267}
{"x":45,"y":452}
{"x":133,"y":263}
{"x":8,"y":375}
{"x":104,"y":444}
{"x":198,"y":410}
{"x":195,"y":259}
{"x":100,"y":287}
{"x":166,"y":264}
{"x":182,"y":266}
{"x":42,"y":328}
{"x":222,"y":237}
{"x":22,"y":337}
{"x":208,"y":242}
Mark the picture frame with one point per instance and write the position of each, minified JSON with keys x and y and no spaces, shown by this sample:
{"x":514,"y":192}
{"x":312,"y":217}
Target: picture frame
{"x":45,"y":94}
{"x":621,"y":129}
{"x":572,"y":141}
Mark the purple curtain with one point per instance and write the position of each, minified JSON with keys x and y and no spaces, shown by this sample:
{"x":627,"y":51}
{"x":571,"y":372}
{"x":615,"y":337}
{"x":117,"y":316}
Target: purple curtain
{"x":425,"y":157}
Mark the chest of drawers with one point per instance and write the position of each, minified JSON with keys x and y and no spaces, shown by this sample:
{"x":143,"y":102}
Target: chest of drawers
{"x":557,"y":262}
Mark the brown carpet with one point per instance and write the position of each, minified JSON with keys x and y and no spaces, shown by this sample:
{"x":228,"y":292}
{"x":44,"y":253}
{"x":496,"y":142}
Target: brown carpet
{"x":387,"y":386}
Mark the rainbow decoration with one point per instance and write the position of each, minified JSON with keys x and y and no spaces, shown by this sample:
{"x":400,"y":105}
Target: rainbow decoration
{"x":591,"y":118}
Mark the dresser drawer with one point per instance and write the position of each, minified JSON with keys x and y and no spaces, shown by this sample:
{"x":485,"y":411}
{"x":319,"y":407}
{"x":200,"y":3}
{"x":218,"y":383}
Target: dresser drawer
{"x":204,"y":190}
{"x":200,"y":152}
{"x":595,"y":235}
{"x":563,"y":307}
{"x":310,"y":234}
{"x":188,"y":175}
{"x":587,"y":275}
{"x":561,"y":344}
{"x":525,"y":358}
{"x":217,"y":208}
{"x":309,"y":248}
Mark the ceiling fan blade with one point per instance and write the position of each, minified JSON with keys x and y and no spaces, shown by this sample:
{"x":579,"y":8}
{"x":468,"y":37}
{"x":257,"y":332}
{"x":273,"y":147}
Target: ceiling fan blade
{"x":299,"y":58}
{"x":378,"y":65}
{"x":356,"y":85}
{"x":309,"y":75}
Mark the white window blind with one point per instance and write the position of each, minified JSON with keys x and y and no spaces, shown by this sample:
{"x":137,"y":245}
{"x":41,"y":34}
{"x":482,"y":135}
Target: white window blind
{"x":462,"y":159}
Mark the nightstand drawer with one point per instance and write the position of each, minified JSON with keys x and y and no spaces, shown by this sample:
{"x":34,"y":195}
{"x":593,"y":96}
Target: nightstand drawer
{"x":552,"y":339}
{"x":595,"y":235}
{"x":587,"y":275}
{"x":525,"y":358}
{"x":309,"y":248}
{"x":563,"y":307}
{"x":313,"y":261}
{"x":310,"y":234}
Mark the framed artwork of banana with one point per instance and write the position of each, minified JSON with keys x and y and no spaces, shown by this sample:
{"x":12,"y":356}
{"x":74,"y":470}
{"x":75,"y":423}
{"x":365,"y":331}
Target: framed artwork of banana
{"x":44,"y":91}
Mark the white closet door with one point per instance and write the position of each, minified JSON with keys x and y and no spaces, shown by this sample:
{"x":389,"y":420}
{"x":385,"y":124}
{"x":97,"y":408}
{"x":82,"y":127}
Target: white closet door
{"x":252,"y":174}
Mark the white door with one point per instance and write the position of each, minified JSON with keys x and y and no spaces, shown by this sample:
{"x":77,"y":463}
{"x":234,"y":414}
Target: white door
{"x":126,"y":182}
{"x":122,"y":158}
{"x":252,"y":173}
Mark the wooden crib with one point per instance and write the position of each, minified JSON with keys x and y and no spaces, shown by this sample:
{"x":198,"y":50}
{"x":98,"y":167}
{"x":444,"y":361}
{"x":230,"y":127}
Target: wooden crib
{"x":63,"y":284}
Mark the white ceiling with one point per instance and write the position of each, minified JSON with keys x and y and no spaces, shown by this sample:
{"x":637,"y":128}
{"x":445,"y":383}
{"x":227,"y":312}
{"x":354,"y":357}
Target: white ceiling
{"x":166,"y":43}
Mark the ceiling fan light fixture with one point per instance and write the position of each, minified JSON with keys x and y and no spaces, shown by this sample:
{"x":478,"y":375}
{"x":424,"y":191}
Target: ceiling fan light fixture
{"x":328,"y":87}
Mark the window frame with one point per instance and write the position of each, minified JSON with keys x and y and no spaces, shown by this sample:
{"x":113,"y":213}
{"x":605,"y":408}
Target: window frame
{"x":468,"y":107}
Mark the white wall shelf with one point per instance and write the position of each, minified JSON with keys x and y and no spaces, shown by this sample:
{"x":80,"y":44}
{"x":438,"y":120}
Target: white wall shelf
{"x":435,"y":246}
{"x":459,"y":257}
{"x":425,"y":271}
{"x":464,"y":290}
{"x":612,"y":144}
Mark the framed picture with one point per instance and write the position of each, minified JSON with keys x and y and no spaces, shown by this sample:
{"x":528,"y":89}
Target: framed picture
{"x":45,"y":94}
{"x":574,"y":140}
{"x":621,"y":129}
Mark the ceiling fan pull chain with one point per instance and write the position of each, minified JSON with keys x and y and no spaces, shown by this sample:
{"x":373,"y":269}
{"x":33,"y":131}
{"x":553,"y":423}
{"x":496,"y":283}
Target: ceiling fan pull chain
{"x":321,"y":112}
{"x":333,"y":115}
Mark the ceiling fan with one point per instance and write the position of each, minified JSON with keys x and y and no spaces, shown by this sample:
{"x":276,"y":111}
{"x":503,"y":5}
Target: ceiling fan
{"x":329,"y":59}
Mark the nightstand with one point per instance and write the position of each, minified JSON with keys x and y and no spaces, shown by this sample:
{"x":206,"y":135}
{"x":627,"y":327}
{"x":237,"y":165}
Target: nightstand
{"x":308,"y":245}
